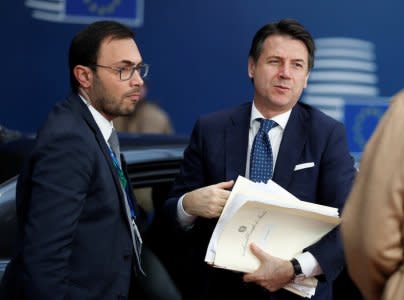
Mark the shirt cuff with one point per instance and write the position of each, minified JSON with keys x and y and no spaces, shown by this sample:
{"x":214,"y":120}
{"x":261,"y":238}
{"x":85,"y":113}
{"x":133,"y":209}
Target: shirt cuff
{"x":309,"y":264}
{"x":186,"y":220}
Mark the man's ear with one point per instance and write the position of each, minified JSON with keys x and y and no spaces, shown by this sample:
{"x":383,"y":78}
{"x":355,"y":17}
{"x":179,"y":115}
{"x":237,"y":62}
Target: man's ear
{"x":251,"y":67}
{"x":84,"y":75}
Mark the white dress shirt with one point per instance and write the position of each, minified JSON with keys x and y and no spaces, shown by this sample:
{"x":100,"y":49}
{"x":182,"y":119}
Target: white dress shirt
{"x":103,"y":124}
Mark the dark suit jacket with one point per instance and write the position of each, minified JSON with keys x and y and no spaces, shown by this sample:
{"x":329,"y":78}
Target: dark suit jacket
{"x":218,"y":152}
{"x":74,"y":238}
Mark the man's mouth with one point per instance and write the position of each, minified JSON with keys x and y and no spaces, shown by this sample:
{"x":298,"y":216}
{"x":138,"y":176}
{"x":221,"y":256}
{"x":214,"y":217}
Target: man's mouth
{"x":282,"y":87}
{"x":135,"y":95}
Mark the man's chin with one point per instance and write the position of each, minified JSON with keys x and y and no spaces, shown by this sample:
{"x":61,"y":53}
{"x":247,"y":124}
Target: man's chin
{"x":128,"y":111}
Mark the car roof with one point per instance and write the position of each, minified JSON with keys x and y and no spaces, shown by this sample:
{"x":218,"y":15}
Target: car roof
{"x":137,"y":149}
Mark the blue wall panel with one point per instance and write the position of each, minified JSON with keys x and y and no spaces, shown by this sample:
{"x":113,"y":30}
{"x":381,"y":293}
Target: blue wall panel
{"x":197,"y":51}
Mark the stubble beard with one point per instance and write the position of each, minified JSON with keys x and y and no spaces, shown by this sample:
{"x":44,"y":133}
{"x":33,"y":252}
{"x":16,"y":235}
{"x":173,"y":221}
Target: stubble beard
{"x":108,"y":105}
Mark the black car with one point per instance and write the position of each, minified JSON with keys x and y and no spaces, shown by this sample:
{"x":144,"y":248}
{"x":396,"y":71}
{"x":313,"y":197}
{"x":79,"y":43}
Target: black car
{"x":152,"y":161}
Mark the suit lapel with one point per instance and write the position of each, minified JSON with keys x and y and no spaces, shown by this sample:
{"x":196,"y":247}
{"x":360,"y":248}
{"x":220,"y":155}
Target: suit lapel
{"x":293,"y":141}
{"x":80,"y":107}
{"x":236,"y":142}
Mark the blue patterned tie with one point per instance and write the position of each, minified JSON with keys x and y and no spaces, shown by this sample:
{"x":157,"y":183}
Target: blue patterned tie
{"x":261,"y":160}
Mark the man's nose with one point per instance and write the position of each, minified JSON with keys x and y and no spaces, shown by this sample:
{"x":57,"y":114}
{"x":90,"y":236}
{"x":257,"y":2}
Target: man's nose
{"x":136,"y":79}
{"x":284,"y":71}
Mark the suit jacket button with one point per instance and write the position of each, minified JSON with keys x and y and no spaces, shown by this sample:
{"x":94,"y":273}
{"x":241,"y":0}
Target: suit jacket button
{"x":126,"y":257}
{"x":120,"y":297}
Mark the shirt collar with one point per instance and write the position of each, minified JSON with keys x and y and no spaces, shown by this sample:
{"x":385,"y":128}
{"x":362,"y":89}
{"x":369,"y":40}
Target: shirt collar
{"x":103,"y":124}
{"x":281,"y":119}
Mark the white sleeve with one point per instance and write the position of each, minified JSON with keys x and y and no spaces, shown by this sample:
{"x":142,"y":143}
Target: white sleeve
{"x":309,"y":264}
{"x":186,"y":220}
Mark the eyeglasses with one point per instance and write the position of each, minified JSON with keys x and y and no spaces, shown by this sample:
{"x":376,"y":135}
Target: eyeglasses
{"x":126,"y":73}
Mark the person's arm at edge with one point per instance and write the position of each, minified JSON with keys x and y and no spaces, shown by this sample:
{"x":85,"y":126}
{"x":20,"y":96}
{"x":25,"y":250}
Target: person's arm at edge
{"x":373,"y":216}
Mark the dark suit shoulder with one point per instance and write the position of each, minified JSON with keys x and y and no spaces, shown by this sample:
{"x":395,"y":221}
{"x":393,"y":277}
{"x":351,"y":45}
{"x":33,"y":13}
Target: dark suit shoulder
{"x":68,"y":118}
{"x":67,"y":128}
{"x":316,"y":117}
{"x":220,"y":118}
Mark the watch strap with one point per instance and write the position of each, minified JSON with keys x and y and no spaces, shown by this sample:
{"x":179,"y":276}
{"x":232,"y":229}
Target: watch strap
{"x":297,"y":267}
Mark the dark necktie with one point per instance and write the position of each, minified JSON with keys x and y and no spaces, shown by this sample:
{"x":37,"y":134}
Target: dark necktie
{"x":114,"y":144}
{"x":130,"y":207}
{"x":261,"y":160}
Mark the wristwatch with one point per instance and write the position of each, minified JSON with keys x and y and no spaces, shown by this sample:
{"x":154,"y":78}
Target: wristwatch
{"x":297,"y":268}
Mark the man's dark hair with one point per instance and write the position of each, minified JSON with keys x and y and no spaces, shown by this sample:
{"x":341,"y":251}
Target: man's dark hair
{"x":85,"y":46}
{"x":286,"y":27}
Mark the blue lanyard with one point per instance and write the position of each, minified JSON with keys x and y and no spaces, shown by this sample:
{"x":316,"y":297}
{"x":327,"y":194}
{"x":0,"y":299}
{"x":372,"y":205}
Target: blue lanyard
{"x":124,"y":183}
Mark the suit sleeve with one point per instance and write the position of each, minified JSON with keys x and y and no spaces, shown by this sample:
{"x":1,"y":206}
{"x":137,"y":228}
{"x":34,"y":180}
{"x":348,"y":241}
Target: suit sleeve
{"x":372,"y":226}
{"x":335,"y":180}
{"x":191,"y":174}
{"x":60,"y":176}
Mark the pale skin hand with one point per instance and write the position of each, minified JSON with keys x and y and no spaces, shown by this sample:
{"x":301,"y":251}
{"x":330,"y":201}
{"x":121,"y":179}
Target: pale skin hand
{"x":207,"y":202}
{"x":273,"y":274}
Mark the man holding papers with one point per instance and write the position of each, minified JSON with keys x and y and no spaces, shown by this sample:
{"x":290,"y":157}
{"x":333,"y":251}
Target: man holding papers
{"x":273,"y":137}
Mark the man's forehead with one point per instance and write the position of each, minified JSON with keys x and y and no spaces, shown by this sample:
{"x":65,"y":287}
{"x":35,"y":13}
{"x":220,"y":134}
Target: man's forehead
{"x":285,"y":46}
{"x":120,"y":50}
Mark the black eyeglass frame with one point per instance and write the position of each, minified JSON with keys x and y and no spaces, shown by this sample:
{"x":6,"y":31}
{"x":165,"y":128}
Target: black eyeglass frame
{"x":132,"y":69}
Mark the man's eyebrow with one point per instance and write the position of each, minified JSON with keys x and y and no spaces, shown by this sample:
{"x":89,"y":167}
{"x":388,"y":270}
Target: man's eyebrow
{"x":129,"y":62}
{"x":282,"y":58}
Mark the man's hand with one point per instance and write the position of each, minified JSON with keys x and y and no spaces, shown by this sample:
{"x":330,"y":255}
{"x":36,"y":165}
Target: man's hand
{"x":207,"y":202}
{"x":273,"y":274}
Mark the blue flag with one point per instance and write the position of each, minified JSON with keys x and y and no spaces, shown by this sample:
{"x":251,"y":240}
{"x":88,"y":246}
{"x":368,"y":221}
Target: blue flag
{"x":102,"y":8}
{"x":361,"y":117}
{"x":129,"y":12}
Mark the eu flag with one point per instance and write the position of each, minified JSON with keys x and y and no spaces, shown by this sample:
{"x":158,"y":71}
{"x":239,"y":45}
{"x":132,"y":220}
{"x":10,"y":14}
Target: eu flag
{"x":129,"y":12}
{"x":102,"y":8}
{"x":361,"y":119}
{"x":126,"y":11}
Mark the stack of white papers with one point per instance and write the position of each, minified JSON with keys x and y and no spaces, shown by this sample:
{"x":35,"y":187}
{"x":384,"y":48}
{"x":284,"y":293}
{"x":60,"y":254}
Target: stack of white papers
{"x":275,"y":220}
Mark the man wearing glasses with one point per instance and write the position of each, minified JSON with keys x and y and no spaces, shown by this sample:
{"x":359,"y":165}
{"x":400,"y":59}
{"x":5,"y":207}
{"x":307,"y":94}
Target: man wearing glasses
{"x":77,"y":234}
